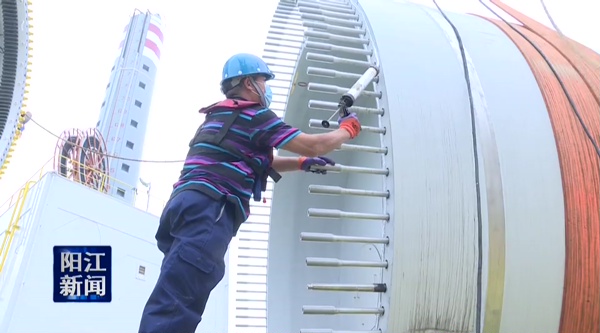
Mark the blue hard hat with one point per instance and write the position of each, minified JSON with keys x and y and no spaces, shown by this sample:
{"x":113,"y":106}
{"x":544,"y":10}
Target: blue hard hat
{"x":245,"y":64}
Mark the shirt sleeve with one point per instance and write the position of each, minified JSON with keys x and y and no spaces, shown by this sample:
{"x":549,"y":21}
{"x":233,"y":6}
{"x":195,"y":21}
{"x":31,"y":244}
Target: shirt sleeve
{"x":271,"y":131}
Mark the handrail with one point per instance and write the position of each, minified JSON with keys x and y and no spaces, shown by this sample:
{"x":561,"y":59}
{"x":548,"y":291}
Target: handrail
{"x":13,"y":225}
{"x":13,"y":198}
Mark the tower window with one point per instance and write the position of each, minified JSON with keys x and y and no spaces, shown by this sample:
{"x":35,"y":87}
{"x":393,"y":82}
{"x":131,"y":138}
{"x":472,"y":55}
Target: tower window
{"x":138,"y":103}
{"x":125,"y":167}
{"x":121,"y":192}
{"x":98,"y":123}
{"x":146,"y":68}
{"x":103,"y":103}
{"x":129,"y":144}
{"x":142,"y":85}
{"x":133,"y":123}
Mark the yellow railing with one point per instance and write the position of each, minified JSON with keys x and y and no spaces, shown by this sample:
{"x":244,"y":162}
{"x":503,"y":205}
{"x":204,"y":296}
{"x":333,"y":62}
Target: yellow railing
{"x":13,"y":225}
{"x":19,"y":199}
{"x":13,"y":198}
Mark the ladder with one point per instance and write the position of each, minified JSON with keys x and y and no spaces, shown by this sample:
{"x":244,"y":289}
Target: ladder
{"x":338,"y":48}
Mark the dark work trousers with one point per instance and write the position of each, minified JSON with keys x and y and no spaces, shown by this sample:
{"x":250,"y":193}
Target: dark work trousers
{"x":194,"y":233}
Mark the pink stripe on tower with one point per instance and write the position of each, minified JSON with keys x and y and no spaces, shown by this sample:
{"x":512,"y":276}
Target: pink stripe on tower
{"x":152,"y":46}
{"x":155,"y":29}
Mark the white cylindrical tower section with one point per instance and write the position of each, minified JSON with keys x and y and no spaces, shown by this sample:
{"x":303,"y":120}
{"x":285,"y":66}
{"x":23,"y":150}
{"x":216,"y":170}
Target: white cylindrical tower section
{"x":124,"y":115}
{"x":448,"y":212}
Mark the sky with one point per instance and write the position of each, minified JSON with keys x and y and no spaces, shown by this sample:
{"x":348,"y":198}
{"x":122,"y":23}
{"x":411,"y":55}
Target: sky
{"x":75,"y":44}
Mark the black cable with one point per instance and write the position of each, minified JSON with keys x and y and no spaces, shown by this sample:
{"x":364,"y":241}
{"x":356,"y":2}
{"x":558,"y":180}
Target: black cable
{"x":551,"y":18}
{"x":476,"y":166}
{"x":562,"y":84}
{"x":102,"y":153}
{"x":474,"y":133}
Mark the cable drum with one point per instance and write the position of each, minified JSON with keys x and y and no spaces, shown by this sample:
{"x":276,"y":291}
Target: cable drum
{"x":81,"y":157}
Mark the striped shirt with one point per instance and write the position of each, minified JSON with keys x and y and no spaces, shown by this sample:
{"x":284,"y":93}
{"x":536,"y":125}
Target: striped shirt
{"x":209,"y":168}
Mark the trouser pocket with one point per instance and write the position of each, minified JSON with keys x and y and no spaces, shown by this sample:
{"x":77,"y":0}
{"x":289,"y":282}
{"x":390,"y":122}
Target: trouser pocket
{"x":192,"y":275}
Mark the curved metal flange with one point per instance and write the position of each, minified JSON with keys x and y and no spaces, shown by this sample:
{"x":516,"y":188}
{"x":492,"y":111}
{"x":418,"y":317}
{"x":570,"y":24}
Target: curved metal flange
{"x":14,"y":60}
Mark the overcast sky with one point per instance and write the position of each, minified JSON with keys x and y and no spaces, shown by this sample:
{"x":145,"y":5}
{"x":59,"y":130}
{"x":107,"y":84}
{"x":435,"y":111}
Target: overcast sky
{"x":75,"y":45}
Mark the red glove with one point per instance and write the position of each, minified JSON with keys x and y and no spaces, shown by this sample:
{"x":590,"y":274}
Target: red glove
{"x":351,"y":124}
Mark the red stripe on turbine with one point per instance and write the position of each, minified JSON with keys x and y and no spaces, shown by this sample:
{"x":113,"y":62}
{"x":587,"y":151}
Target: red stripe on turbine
{"x":157,"y":31}
{"x":152,"y":46}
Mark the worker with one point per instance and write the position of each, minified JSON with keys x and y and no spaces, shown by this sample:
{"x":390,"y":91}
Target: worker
{"x":229,"y":160}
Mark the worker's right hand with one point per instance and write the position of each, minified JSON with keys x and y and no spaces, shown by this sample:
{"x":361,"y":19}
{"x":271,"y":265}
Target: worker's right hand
{"x":351,"y":124}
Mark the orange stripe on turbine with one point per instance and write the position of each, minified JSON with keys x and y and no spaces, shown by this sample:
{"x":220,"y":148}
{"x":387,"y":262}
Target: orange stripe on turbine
{"x":580,"y":169}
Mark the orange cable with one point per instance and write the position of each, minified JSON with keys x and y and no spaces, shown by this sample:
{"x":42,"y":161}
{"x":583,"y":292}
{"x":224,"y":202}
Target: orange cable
{"x":573,"y":51}
{"x":580,"y":169}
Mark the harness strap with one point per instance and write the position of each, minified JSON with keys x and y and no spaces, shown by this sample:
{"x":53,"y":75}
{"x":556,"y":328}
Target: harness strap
{"x":218,"y":140}
{"x":226,"y":126}
{"x":276,"y":176}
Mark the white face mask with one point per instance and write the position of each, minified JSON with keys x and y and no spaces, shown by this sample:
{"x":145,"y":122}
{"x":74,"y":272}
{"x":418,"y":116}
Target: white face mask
{"x":268,"y":95}
{"x":265,"y":97}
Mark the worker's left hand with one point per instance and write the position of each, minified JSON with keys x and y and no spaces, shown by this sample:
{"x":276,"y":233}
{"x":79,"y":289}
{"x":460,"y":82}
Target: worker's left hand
{"x":307,"y":163}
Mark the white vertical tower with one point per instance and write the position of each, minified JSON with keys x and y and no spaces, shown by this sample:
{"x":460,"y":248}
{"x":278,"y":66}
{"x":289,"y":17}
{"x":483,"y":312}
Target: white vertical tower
{"x":124,"y":114}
